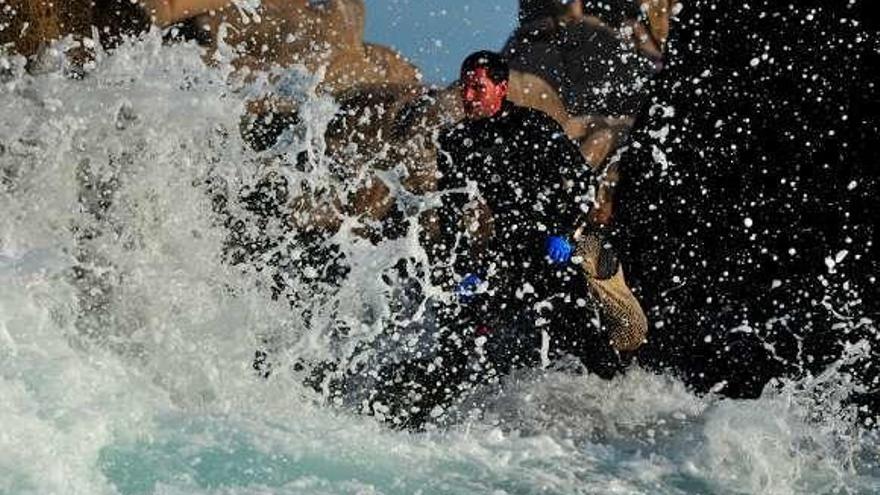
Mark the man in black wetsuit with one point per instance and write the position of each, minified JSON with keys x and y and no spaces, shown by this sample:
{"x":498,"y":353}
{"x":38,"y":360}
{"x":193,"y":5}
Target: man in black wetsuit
{"x":513,"y":191}
{"x":520,"y":187}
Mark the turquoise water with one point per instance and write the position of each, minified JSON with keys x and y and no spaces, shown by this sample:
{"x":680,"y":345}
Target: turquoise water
{"x":151,"y":391}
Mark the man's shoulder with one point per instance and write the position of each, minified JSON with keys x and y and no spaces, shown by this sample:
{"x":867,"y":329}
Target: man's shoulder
{"x":452,"y":132}
{"x":534,"y":119}
{"x":529,"y":114}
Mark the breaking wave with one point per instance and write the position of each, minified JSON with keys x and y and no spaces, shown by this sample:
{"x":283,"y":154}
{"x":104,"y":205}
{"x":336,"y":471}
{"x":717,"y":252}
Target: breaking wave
{"x":127,"y":336}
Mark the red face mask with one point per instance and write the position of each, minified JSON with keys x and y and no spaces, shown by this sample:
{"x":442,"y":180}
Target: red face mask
{"x":480,"y":95}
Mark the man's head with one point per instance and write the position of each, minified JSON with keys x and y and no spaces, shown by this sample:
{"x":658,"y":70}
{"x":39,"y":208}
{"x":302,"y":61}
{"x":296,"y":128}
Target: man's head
{"x":484,"y":79}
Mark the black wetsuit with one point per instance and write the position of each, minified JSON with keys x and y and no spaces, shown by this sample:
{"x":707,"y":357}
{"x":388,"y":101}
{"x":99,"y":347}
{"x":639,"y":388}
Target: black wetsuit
{"x":535,"y":183}
{"x":533,"y":179}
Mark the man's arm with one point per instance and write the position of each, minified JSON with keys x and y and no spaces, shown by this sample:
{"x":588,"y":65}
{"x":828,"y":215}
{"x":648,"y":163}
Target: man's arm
{"x":167,"y":12}
{"x":459,"y":233}
{"x":564,"y":181}
{"x":569,"y":178}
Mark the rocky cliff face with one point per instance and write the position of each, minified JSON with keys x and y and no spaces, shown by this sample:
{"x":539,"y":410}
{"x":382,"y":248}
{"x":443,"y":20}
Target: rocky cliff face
{"x":387,"y":117}
{"x":324,"y":36}
{"x":320,"y":35}
{"x":27,"y":27}
{"x":586,"y":64}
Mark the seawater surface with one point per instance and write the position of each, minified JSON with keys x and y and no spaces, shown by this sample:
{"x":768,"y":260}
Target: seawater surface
{"x":141,"y":382}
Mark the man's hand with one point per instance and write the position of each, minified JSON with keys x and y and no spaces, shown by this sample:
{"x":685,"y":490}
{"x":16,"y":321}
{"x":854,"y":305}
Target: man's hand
{"x":467,"y":288}
{"x":559,"y":249}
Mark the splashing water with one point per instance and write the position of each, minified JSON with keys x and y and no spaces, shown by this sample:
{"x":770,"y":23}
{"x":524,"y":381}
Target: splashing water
{"x":126,"y":338}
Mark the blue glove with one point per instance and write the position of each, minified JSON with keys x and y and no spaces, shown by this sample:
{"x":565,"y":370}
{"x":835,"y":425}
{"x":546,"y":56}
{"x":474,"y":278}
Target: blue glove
{"x":559,"y":249}
{"x":467,"y":288}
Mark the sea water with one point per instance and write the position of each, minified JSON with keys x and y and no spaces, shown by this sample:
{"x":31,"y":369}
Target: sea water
{"x":141,"y":382}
